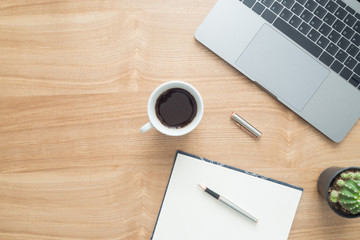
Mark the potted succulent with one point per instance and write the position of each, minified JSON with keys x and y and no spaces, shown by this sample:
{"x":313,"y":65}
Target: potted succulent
{"x":341,"y":188}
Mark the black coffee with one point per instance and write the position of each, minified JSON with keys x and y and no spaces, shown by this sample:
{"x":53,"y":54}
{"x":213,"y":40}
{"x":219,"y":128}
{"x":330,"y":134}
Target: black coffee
{"x":176,"y":107}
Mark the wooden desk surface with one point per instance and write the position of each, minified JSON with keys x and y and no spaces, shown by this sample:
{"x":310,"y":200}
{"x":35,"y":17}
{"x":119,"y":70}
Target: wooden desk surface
{"x":75,"y":77}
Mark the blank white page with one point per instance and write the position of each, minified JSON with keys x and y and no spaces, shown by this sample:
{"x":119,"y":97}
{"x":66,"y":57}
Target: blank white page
{"x":187,"y":212}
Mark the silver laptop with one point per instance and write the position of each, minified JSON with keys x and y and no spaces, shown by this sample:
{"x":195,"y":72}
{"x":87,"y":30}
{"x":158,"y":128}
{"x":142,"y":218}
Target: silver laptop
{"x":305,"y":53}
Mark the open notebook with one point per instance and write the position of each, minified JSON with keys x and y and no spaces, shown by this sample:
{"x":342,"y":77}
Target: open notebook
{"x":189,"y":213}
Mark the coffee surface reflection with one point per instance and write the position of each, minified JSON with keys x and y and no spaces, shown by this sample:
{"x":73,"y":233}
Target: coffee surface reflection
{"x":176,"y":108}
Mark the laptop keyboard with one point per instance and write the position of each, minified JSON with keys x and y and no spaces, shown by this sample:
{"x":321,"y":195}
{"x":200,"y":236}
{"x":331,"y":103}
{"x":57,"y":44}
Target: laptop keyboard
{"x":328,"y":29}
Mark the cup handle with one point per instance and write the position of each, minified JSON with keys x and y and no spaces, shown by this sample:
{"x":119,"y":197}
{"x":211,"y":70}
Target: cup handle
{"x":146,"y":127}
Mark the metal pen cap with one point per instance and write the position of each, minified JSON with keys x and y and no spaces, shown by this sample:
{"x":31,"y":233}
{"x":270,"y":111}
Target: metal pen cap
{"x":244,"y":124}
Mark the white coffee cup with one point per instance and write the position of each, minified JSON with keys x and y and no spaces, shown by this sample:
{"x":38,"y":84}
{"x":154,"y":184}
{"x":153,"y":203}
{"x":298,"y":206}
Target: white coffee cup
{"x":157,"y":124}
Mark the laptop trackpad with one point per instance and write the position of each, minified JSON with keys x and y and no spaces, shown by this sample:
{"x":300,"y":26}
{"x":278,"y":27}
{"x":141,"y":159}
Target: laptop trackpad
{"x":282,"y":67}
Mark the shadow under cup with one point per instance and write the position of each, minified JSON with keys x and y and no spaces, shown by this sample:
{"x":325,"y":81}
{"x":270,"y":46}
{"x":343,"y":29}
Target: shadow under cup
{"x":175,"y":108}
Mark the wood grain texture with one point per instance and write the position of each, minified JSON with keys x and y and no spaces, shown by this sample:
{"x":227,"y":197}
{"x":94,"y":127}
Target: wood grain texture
{"x":75,"y":77}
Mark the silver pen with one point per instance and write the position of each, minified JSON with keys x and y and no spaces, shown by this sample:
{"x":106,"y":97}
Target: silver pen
{"x":228,"y":203}
{"x":244,"y":124}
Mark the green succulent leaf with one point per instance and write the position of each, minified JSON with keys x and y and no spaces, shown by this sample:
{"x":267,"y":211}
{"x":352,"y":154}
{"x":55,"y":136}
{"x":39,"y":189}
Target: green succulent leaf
{"x":334,"y":194}
{"x":351,"y":175}
{"x":357,"y":175}
{"x":355,"y":211}
{"x":340,"y":182}
{"x":349,"y":195}
{"x":344,"y":175}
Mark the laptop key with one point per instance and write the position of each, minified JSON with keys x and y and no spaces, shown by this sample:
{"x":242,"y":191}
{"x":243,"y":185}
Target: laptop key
{"x":315,"y":22}
{"x":357,"y":15}
{"x":341,"y":3}
{"x":304,"y":28}
{"x":306,"y":15}
{"x":320,"y":12}
{"x":337,"y":66}
{"x":350,"y":62}
{"x":323,"y":42}
{"x":258,"y":8}
{"x":297,"y":37}
{"x":356,"y":39}
{"x":340,"y":13}
{"x":276,"y":7}
{"x":313,"y":35}
{"x":301,"y":1}
{"x":268,"y":15}
{"x":346,"y":73}
{"x":334,"y":36}
{"x":322,"y":2}
{"x":288,"y":3}
{"x":297,"y":9}
{"x":326,"y":58}
{"x":350,"y":20}
{"x":295,"y":21}
{"x":341,"y":55}
{"x":332,"y":48}
{"x":329,"y":19}
{"x":355,"y":80}
{"x":331,"y":6}
{"x":350,"y":10}
{"x":249,"y":3}
{"x":338,"y":25}
{"x":352,"y":50}
{"x":311,"y":5}
{"x":325,"y":29}
{"x":357,"y":69}
{"x":343,"y":43}
{"x":286,"y":14}
{"x":348,"y":32}
{"x":357,"y":26}
{"x":267,"y":3}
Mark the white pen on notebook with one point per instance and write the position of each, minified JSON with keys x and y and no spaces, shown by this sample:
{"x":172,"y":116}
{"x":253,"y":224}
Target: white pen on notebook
{"x":228,"y":203}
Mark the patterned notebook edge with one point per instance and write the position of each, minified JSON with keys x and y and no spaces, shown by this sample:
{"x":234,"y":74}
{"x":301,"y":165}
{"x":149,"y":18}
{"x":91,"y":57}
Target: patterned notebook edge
{"x":239,"y":170}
